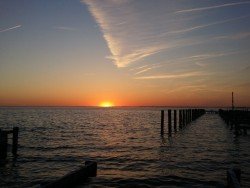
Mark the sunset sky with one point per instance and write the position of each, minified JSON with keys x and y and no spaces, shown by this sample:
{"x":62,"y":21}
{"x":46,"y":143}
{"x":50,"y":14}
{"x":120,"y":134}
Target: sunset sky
{"x":127,"y":52}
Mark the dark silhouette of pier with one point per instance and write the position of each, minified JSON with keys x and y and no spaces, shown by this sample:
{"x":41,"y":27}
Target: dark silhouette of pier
{"x":185,"y":117}
{"x":239,"y":120}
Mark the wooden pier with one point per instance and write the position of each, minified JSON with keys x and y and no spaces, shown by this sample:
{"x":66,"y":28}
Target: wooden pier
{"x":184,"y":117}
{"x":239,"y":120}
{"x":4,"y":142}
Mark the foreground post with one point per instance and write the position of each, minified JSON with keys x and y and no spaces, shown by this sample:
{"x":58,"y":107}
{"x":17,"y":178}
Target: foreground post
{"x":169,"y":122}
{"x":75,"y":177}
{"x":162,"y":122}
{"x":3,"y":144}
{"x":15,"y":141}
{"x":233,"y":178}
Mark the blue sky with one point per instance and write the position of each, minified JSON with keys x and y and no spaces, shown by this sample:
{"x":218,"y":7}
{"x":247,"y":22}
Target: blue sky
{"x":92,"y":50}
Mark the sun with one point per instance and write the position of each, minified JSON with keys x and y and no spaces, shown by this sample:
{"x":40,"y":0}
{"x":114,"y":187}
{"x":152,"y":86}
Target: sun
{"x":106,"y":104}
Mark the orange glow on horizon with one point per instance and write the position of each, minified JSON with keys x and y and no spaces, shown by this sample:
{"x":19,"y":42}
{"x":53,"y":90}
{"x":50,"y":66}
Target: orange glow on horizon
{"x":106,"y":104}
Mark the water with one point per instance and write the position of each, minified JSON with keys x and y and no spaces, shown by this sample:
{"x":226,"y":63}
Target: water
{"x":127,"y":145}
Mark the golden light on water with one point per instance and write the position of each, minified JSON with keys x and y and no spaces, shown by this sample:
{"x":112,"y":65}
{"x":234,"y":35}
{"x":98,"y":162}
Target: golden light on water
{"x":106,"y":104}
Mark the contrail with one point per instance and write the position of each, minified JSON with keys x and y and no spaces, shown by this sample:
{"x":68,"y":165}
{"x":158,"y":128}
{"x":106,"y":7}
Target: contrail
{"x":8,"y":29}
{"x":213,"y":7}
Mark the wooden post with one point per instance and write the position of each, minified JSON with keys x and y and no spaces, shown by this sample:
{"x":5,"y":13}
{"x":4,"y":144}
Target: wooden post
{"x":233,"y":178}
{"x":169,"y":122}
{"x":184,"y":118}
{"x":74,"y":178}
{"x":180,"y":119}
{"x":162,"y":122}
{"x":3,"y":144}
{"x":15,"y":141}
{"x":190,"y":116}
{"x":175,"y":121}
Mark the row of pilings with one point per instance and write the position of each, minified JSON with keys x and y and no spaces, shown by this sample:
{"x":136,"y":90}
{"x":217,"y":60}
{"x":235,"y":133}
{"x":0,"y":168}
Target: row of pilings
{"x":181,"y":117}
{"x":238,"y":120}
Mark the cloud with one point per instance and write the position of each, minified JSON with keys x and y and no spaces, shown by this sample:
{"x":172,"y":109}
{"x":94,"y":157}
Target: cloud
{"x":11,"y":28}
{"x":136,"y":30}
{"x":65,"y":28}
{"x":213,"y":7}
{"x":187,"y":87}
{"x":241,"y":35}
{"x":205,"y":25}
{"x":147,"y":69}
{"x":173,"y":76}
{"x":128,"y":35}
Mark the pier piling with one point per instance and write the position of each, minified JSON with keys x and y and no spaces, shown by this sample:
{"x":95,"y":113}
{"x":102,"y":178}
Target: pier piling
{"x":169,"y":122}
{"x":15,"y":141}
{"x":3,"y":144}
{"x":233,"y":178}
{"x":175,"y":121}
{"x":162,"y":122}
{"x":180,"y":119}
{"x":186,"y":116}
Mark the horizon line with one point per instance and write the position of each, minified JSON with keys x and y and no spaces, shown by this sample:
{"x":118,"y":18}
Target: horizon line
{"x":122,"y":106}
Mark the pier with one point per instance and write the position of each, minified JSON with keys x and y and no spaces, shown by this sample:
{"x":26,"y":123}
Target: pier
{"x":238,"y":120}
{"x":185,"y":117}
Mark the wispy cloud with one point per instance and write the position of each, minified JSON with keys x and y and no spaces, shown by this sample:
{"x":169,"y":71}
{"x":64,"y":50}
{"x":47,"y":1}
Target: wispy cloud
{"x":204,"y":25}
{"x":126,"y":34}
{"x":11,"y":28}
{"x":147,"y":69}
{"x":173,"y":76}
{"x":134,"y":32}
{"x":65,"y":28}
{"x":187,"y":87}
{"x":210,"y":55}
{"x":138,"y":68}
{"x":213,"y":7}
{"x":241,"y":35}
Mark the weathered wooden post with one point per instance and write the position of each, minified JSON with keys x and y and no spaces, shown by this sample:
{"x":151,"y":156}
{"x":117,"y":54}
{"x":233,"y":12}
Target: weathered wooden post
{"x":190,"y":115}
{"x":162,"y":122}
{"x":169,"y":122}
{"x":15,"y":141}
{"x":175,"y":121}
{"x":76,"y":177}
{"x":3,"y":144}
{"x":233,"y":178}
{"x":180,"y":119}
{"x":184,"y":118}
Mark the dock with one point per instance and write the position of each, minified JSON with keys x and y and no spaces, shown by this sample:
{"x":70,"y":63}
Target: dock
{"x":238,"y":120}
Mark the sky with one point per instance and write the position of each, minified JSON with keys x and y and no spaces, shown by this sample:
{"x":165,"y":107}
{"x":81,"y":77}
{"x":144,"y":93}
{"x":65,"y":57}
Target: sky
{"x":126,"y":52}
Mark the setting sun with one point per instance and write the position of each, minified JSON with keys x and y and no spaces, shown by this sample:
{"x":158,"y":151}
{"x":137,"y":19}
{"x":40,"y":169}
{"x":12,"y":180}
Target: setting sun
{"x":106,"y":104}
